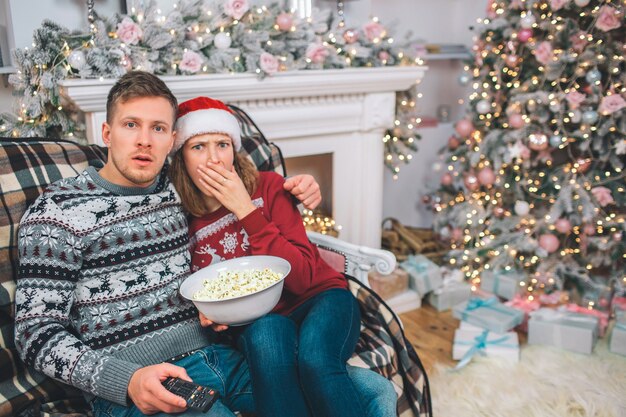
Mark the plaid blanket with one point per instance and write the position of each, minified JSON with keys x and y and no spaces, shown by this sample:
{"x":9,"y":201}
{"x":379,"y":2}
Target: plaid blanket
{"x":28,"y":165}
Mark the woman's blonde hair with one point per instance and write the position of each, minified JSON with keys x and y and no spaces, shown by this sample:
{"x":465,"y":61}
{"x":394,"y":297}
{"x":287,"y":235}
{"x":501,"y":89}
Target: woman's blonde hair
{"x":191,"y":197}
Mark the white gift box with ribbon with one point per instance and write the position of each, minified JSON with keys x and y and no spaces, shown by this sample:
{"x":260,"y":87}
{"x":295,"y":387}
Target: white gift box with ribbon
{"x":472,"y":341}
{"x":561,"y":328}
{"x":453,"y":291}
{"x":617,"y":341}
{"x":489,"y":314}
{"x":424,"y":274}
{"x":502,"y":283}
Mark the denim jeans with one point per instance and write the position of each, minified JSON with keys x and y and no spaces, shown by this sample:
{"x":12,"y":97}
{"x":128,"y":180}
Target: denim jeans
{"x":298,"y":363}
{"x":217,"y":366}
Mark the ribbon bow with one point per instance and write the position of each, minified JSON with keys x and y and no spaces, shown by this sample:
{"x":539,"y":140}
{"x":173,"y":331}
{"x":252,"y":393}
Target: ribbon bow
{"x":476,"y":303}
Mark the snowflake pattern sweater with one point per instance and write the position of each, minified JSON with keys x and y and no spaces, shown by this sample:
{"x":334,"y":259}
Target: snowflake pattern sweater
{"x":97,"y":291}
{"x":274,"y":228}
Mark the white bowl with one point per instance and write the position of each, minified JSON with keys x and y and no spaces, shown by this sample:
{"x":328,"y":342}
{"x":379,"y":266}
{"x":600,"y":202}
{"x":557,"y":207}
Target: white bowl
{"x":239,"y":310}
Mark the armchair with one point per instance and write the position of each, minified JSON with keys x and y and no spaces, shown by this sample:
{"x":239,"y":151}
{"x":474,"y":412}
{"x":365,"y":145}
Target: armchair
{"x":28,"y":165}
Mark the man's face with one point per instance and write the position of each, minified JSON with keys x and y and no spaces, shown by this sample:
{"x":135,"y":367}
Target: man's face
{"x":139,"y":139}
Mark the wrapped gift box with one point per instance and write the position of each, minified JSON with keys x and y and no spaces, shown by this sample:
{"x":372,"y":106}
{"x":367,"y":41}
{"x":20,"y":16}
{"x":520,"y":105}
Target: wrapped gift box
{"x":489,"y":314}
{"x":424,"y":274}
{"x":471,"y":340}
{"x":617,"y":341}
{"x":390,"y":285}
{"x":563,"y":329}
{"x":523,"y":304}
{"x":502,"y":283}
{"x":603,"y":316}
{"x":444,"y":298}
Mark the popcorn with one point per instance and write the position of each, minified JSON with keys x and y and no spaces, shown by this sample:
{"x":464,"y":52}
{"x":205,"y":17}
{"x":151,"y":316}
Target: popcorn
{"x":233,"y":284}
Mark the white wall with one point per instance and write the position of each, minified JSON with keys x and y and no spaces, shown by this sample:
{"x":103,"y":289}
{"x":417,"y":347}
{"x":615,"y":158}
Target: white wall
{"x":440,"y":21}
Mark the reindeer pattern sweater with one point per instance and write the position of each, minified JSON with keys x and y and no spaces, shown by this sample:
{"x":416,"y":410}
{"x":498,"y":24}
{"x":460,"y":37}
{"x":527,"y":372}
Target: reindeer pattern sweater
{"x":274,"y":228}
{"x":97,"y":291}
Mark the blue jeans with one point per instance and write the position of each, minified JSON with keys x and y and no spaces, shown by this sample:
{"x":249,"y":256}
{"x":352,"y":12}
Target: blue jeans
{"x":217,"y":366}
{"x":298,"y":363}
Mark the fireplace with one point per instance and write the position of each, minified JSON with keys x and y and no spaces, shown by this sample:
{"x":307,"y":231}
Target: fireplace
{"x":338,"y":116}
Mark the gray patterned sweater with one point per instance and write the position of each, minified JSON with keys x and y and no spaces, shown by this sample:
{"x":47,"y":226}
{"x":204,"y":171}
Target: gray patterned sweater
{"x":97,"y":292}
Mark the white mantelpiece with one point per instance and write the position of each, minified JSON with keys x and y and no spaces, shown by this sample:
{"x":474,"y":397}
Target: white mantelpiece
{"x":340,"y":112}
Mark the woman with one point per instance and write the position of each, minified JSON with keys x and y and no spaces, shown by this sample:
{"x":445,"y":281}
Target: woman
{"x":297,"y":355}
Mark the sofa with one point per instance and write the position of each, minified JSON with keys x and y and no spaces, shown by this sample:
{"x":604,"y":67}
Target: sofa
{"x":27,"y":165}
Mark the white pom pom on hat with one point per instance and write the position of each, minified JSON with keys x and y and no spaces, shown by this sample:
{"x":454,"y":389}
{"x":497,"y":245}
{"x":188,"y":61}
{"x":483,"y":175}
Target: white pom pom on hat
{"x":202,"y":115}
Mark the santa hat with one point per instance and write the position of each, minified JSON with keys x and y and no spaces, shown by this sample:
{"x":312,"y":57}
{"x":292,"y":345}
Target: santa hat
{"x":202,"y":115}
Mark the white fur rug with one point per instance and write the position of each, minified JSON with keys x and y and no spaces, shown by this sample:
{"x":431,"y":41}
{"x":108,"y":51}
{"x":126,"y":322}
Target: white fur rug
{"x":547,"y":382}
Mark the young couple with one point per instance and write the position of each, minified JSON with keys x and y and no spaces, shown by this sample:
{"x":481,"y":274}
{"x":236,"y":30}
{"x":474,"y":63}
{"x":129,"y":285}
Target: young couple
{"x":102,"y":256}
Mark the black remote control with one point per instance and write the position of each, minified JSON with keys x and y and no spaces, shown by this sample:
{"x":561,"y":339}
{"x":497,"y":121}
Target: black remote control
{"x":197,"y":397}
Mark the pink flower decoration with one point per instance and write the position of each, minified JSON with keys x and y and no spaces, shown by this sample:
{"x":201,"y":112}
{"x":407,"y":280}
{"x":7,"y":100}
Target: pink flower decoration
{"x":236,"y":8}
{"x":543,"y":53}
{"x":611,"y":104}
{"x":373,"y":30}
{"x":574,"y":98}
{"x":603,"y":195}
{"x":191,"y":62}
{"x":268,"y":63}
{"x":128,"y":31}
{"x":317,"y":53}
{"x":558,"y":4}
{"x":579,"y":41}
{"x":608,"y":18}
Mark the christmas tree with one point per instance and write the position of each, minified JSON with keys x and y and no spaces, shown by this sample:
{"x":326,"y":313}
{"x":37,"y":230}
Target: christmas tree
{"x":534,"y":175}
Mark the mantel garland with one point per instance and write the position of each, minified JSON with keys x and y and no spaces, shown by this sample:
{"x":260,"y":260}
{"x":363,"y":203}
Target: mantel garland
{"x":198,"y":37}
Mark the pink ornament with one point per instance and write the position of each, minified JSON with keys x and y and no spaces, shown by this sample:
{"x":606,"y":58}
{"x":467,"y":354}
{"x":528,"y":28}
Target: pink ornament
{"x":512,"y":60}
{"x":384,"y":55}
{"x":537,"y":141}
{"x":617,"y":236}
{"x":453,"y":142}
{"x":471,"y":182}
{"x":284,"y":21}
{"x":464,"y":127}
{"x":549,"y":242}
{"x":499,"y":212}
{"x":486,"y":176}
{"x":524,"y":35}
{"x":563,"y":226}
{"x":457,"y":234}
{"x":516,"y":121}
{"x":446,"y":179}
{"x":589,"y":229}
{"x":350,"y":36}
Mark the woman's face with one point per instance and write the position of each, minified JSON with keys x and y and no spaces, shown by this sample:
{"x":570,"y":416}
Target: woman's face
{"x":216,"y":148}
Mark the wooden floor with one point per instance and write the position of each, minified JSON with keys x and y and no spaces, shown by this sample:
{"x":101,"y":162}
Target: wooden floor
{"x":431,"y":334}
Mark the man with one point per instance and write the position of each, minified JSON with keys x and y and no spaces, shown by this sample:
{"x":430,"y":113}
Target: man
{"x":102,"y":256}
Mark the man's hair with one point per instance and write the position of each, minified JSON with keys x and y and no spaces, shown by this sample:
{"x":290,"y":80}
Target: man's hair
{"x":135,"y":84}
{"x":191,"y":197}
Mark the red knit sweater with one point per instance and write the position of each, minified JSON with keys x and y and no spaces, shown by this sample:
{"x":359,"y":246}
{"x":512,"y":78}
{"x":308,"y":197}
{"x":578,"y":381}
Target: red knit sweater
{"x":274,"y":228}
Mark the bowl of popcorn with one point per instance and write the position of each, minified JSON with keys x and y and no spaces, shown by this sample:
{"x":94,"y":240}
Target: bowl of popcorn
{"x":237,"y":291}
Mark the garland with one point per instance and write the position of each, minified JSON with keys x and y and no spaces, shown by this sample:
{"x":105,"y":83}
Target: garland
{"x":196,"y":38}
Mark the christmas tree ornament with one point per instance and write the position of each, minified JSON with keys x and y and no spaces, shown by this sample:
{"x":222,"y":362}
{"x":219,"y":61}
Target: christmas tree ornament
{"x":556,"y":140}
{"x":555,"y":106}
{"x":516,"y":121}
{"x":426,"y":199}
{"x":581,"y":3}
{"x":464,"y":79}
{"x":446,"y":179}
{"x":522,"y":208}
{"x":464,"y":127}
{"x":471,"y":182}
{"x":499,"y":212}
{"x":453,"y":142}
{"x":527,"y":21}
{"x":563,"y":225}
{"x":350,"y":36}
{"x":457,"y":234}
{"x":512,"y":60}
{"x":537,"y":141}
{"x":524,"y":35}
{"x":575,"y":116}
{"x":549,"y":242}
{"x":617,"y":236}
{"x":483,"y":107}
{"x":284,"y":21}
{"x":486,"y":176}
{"x":590,"y":117}
{"x":594,"y":75}
{"x":583,"y":164}
{"x":77,"y":59}
{"x":589,"y":229}
{"x":222,"y":40}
